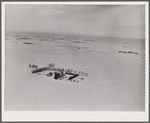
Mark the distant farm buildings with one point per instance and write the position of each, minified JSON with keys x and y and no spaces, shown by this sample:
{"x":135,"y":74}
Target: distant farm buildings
{"x":59,"y":73}
{"x":130,"y":52}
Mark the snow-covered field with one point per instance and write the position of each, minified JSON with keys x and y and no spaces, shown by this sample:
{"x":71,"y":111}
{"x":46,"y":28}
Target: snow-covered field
{"x":115,"y":82}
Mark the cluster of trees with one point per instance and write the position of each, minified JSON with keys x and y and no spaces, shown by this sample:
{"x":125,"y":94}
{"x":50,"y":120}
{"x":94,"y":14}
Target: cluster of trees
{"x":27,"y":43}
{"x":127,"y":52}
{"x":69,"y":71}
{"x":24,"y":38}
{"x":51,"y":65}
{"x":33,"y":66}
{"x":61,"y":70}
{"x":39,"y":69}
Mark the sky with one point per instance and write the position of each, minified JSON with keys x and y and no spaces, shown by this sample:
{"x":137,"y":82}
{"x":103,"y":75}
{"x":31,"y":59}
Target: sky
{"x":100,"y":20}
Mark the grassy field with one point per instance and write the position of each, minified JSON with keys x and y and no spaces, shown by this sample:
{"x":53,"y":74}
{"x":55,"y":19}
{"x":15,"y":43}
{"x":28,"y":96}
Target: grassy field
{"x":115,"y":82}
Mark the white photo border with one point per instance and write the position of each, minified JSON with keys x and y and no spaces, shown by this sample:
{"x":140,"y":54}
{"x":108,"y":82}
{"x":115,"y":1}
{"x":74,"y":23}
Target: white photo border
{"x":78,"y":115}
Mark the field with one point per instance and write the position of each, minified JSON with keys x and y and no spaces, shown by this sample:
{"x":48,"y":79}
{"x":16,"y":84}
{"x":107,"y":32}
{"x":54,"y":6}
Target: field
{"x":115,"y":82}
